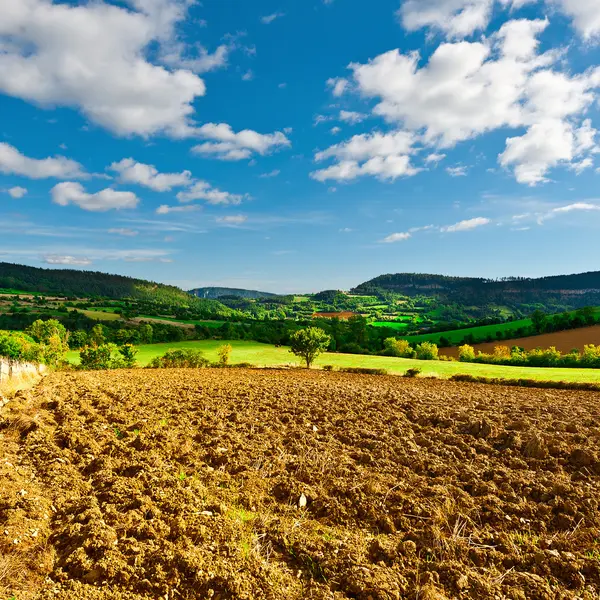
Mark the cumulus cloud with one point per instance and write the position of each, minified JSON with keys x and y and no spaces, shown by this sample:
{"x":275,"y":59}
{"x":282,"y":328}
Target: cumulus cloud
{"x":17,"y":192}
{"x":95,"y":57}
{"x":456,"y":18}
{"x":434,"y":157}
{"x":466,"y":225}
{"x":69,"y":192}
{"x":350,"y":116}
{"x":226,"y":144}
{"x":458,"y":171}
{"x":202,"y":190}
{"x":148,"y":176}
{"x":12,"y":162}
{"x":338,"y":85}
{"x":467,"y":89}
{"x":462,"y":18}
{"x":396,"y":237}
{"x":335,"y":130}
{"x":384,"y":155}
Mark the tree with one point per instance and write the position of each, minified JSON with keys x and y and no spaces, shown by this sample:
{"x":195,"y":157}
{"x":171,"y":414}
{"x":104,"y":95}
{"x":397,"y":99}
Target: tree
{"x":53,"y":339}
{"x":539,"y":320}
{"x":146,"y":333}
{"x":398,"y":348}
{"x":466,"y":353}
{"x":427,"y":351}
{"x":97,"y":337}
{"x":309,"y":343}
{"x":224,"y":353}
{"x":128,"y":352}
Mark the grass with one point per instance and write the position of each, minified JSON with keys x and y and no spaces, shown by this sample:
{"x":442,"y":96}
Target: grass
{"x":266,"y":355}
{"x":214,"y":324}
{"x":99,"y":315}
{"x":480,"y":334}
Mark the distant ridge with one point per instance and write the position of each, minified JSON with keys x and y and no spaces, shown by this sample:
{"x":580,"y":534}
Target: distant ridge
{"x":214,"y":293}
{"x":582,"y":289}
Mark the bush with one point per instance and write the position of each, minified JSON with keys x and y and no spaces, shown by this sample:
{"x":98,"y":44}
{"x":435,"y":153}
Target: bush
{"x":328,"y":368}
{"x":178,"y":359}
{"x":397,"y":348}
{"x":363,"y":371}
{"x":466,"y":353}
{"x":128,"y":352}
{"x":224,"y":353}
{"x":427,"y":351}
{"x":95,"y":358}
{"x":412,"y":373}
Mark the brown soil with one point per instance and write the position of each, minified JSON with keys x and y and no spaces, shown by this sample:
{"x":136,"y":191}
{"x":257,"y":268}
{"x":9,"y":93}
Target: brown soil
{"x":565,"y":341}
{"x":274,"y":485}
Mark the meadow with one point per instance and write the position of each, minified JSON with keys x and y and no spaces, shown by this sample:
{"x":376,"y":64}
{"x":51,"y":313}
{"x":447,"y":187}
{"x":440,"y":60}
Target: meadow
{"x":265,"y":355}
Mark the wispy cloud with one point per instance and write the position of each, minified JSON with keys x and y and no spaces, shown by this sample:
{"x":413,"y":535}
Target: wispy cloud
{"x":268,"y":19}
{"x":466,"y":225}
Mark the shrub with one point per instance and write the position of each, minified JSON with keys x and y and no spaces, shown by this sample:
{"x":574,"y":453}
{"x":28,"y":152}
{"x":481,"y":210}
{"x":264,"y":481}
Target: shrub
{"x":99,"y":357}
{"x":128,"y":352}
{"x":412,"y":373}
{"x":328,"y":368}
{"x":397,"y":348}
{"x":181,"y":358}
{"x":224,"y":353}
{"x":427,"y":351}
{"x":363,"y":371}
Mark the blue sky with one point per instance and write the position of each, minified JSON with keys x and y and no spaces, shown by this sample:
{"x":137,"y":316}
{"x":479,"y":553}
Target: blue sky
{"x":300,"y":145}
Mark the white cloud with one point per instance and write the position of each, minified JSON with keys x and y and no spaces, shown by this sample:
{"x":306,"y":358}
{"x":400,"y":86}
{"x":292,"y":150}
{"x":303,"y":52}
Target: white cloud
{"x":202,"y":190}
{"x":458,"y":171}
{"x":456,"y":18}
{"x":349,"y":116}
{"x":272,"y":173}
{"x":338,"y":85}
{"x":96,"y":57}
{"x":563,"y":210}
{"x":55,"y":259}
{"x":232,"y":219}
{"x":248,"y":75}
{"x":546,"y":145}
{"x":70,"y":192}
{"x":148,"y":176}
{"x":17,"y":192}
{"x":585,"y":15}
{"x":268,"y":19}
{"x":229,"y":145}
{"x":124,"y":231}
{"x":335,"y":130}
{"x":580,"y":167}
{"x":12,"y":162}
{"x":434,"y":157}
{"x":165,"y":209}
{"x":396,"y":237}
{"x":467,"y":89}
{"x":346,"y":230}
{"x":385,"y":156}
{"x":461,"y":18}
{"x":466,"y":225}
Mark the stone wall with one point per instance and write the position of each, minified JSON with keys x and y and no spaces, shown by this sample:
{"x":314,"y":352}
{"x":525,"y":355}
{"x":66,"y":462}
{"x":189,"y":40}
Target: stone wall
{"x":10,"y":369}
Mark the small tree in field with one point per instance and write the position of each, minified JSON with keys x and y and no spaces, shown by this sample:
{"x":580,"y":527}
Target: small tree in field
{"x":427,"y":351}
{"x":224,"y":353}
{"x":466,"y":353}
{"x":309,"y":343}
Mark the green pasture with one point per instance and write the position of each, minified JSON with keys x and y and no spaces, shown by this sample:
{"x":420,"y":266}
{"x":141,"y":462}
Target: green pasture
{"x":213,"y":324}
{"x":267,"y":355}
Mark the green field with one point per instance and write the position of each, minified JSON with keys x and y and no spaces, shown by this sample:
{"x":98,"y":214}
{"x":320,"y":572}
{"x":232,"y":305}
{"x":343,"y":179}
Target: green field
{"x":267,"y":355}
{"x":479,"y":333}
{"x":391,"y":324}
{"x":99,"y":315}
{"x":214,"y":324}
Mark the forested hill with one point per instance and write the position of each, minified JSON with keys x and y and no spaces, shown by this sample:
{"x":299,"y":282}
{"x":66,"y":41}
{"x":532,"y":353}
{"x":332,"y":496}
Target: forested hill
{"x":218,"y":292}
{"x":582,"y":289}
{"x":87,"y":284}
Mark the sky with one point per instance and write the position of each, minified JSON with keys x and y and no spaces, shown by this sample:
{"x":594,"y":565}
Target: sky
{"x":300,"y":145}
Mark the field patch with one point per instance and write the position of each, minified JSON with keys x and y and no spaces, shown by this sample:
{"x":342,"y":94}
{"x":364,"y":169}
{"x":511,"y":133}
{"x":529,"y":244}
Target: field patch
{"x":293,"y":485}
{"x":266,"y":355}
{"x":565,"y":341}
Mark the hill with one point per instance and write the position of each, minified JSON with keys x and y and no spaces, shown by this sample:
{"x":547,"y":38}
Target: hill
{"x":89,"y":284}
{"x":572,"y":291}
{"x":214,"y":293}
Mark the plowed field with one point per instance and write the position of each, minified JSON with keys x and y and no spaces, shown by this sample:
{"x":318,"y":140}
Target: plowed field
{"x":224,"y":484}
